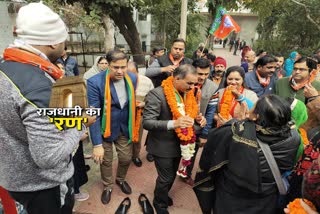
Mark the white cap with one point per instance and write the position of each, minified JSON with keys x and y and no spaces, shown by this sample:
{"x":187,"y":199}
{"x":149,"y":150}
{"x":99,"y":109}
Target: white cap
{"x":37,"y":24}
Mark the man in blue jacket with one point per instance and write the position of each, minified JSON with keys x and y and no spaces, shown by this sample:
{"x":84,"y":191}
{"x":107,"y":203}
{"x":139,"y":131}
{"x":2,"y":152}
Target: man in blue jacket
{"x":70,"y":64}
{"x":263,"y":79}
{"x":113,"y":92}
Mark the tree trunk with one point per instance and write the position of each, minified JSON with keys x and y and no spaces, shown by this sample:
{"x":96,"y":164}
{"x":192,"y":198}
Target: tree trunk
{"x":109,"y":33}
{"x":127,"y":27}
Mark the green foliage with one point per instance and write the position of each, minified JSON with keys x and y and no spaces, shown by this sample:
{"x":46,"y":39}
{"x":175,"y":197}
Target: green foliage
{"x":264,"y":8}
{"x":284,"y":26}
{"x":74,"y":15}
{"x":166,"y":19}
{"x":196,"y":31}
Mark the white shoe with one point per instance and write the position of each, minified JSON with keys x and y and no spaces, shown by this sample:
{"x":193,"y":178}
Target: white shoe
{"x":81,"y":196}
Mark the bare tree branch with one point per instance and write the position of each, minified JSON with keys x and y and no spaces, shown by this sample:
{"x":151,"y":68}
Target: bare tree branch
{"x":307,"y":13}
{"x":299,"y":3}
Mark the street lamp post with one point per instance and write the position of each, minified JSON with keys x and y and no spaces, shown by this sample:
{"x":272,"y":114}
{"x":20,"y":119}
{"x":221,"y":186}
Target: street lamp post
{"x":183,"y":20}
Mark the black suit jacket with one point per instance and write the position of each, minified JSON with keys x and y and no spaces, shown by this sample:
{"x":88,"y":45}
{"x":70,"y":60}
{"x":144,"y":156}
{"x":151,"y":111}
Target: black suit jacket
{"x":165,"y":61}
{"x":161,"y":142}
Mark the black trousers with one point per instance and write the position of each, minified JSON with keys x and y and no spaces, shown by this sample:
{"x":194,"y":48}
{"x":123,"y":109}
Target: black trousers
{"x":46,"y":201}
{"x":167,"y":169}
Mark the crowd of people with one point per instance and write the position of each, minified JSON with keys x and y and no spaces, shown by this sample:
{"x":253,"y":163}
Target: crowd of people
{"x":242,"y":117}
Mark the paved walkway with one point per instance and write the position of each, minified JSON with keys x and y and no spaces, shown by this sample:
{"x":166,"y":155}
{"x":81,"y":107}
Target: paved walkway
{"x":142,"y":180}
{"x":231,"y":59}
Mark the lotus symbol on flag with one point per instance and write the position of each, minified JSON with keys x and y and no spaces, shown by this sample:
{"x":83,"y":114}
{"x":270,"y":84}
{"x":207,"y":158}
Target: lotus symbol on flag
{"x":223,"y":24}
{"x":228,"y":22}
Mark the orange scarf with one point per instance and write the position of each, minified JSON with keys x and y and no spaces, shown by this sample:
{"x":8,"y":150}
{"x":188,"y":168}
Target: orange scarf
{"x":190,"y":107}
{"x":25,"y":57}
{"x":217,"y":81}
{"x":175,"y":62}
{"x":106,"y":116}
{"x":304,"y":136}
{"x":263,"y":83}
{"x":197,"y":94}
{"x":136,"y":130}
{"x":298,"y":86}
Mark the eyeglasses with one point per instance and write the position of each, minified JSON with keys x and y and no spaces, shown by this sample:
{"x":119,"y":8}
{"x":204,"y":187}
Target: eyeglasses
{"x":119,"y":67}
{"x":300,"y":69}
{"x":103,"y":63}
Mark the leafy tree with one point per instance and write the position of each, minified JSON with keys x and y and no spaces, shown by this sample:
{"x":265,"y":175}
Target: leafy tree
{"x":75,"y":16}
{"x":121,"y":13}
{"x":287,"y":25}
{"x":166,"y":19}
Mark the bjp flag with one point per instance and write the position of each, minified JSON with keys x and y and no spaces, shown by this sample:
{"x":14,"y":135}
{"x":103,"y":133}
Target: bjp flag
{"x":227,"y":25}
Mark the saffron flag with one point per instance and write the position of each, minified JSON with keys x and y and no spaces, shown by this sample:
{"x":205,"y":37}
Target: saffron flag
{"x":223,"y":24}
{"x":217,"y":20}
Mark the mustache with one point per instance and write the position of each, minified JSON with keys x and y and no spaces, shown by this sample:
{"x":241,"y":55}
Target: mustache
{"x":218,"y":71}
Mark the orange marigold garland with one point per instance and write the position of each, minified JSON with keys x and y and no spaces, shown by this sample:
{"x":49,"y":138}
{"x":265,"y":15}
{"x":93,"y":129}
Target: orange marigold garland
{"x":190,"y":107}
{"x":136,"y":129}
{"x":226,"y":103}
{"x":296,"y":208}
{"x":186,"y":135}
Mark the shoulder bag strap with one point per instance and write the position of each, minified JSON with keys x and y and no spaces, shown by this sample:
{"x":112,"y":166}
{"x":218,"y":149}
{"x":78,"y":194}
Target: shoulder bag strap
{"x":274,"y":167}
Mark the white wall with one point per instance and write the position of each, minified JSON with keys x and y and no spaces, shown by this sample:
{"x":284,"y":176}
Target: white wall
{"x":7,"y":22}
{"x":248,"y":25}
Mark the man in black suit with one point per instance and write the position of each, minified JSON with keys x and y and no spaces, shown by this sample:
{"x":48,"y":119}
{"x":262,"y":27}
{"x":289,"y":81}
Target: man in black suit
{"x":162,"y":141}
{"x":163,"y":67}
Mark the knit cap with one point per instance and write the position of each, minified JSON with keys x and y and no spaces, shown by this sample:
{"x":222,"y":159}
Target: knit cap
{"x":219,"y":60}
{"x":37,"y":24}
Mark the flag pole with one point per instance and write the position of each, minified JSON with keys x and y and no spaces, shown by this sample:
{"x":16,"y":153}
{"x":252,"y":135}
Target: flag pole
{"x":205,"y":44}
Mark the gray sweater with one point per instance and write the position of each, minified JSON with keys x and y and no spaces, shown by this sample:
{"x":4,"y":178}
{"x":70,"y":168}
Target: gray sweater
{"x":34,"y":154}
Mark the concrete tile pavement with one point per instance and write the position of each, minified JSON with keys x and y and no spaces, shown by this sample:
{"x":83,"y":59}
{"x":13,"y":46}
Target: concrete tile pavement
{"x":229,"y":57}
{"x":142,"y":180}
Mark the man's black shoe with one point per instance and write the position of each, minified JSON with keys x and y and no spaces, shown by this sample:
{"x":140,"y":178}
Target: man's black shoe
{"x":124,"y":206}
{"x":145,"y":204}
{"x":170,"y":201}
{"x":106,"y":196}
{"x":124,"y":186}
{"x":137,"y":162}
{"x":159,"y":209}
{"x":150,"y":157}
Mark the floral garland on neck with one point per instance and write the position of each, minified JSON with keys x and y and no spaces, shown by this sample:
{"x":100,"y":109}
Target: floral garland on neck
{"x":228,"y":103}
{"x":295,"y":206}
{"x":191,"y":109}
